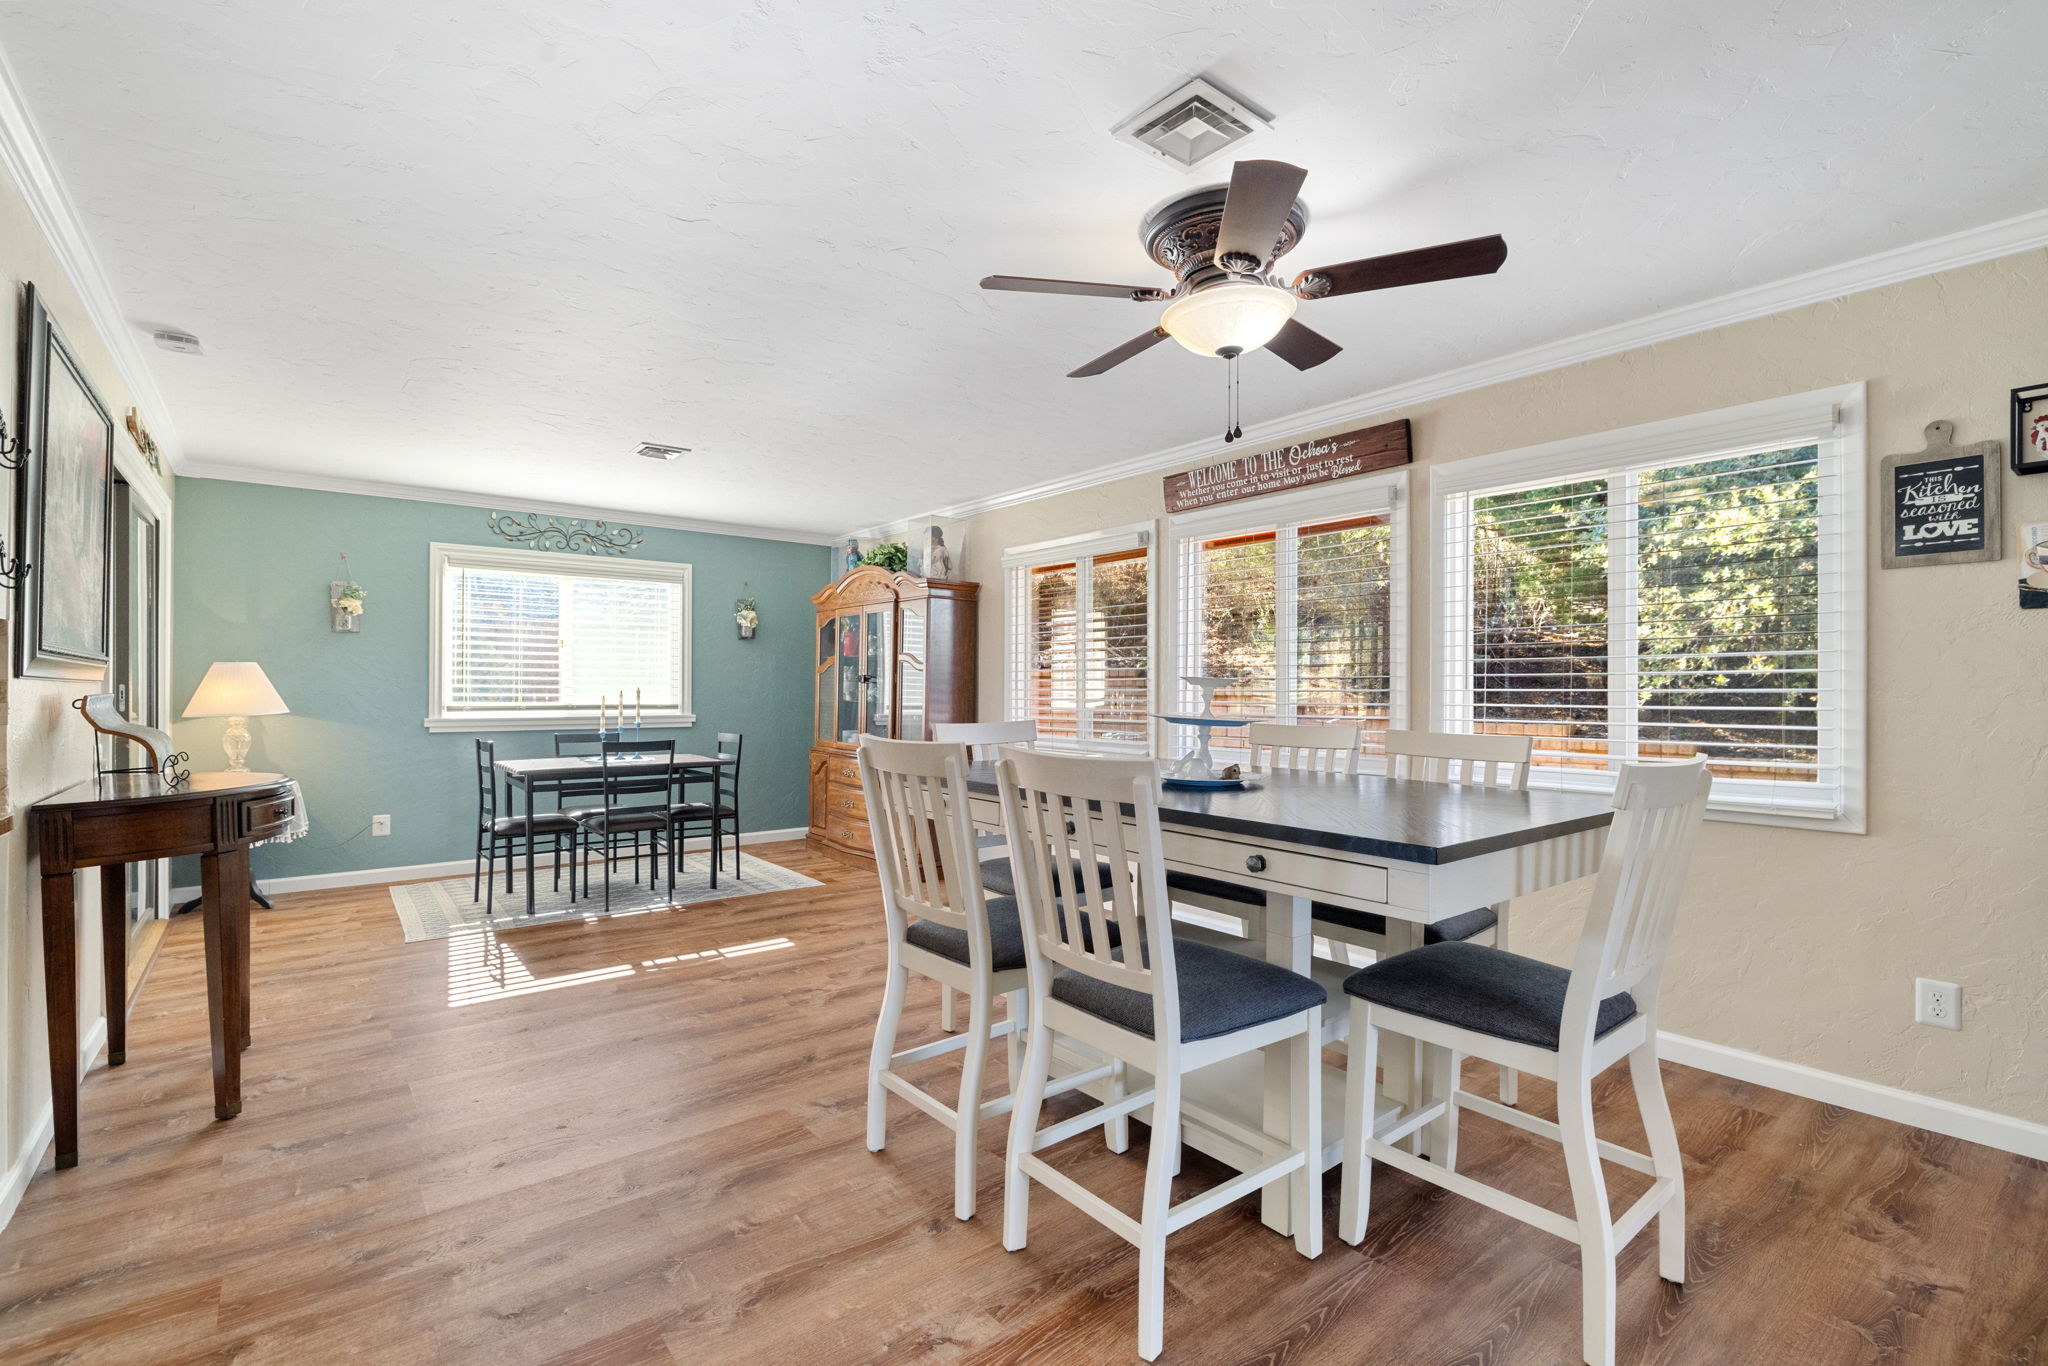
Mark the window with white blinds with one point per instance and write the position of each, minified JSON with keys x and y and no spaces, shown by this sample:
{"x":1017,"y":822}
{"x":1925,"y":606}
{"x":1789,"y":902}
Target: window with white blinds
{"x":526,"y":639}
{"x":1688,"y":588}
{"x":1301,"y":597}
{"x":1080,"y":650}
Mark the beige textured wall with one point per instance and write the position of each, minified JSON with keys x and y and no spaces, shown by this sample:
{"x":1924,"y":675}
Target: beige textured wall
{"x":48,"y":746}
{"x":1797,"y":944}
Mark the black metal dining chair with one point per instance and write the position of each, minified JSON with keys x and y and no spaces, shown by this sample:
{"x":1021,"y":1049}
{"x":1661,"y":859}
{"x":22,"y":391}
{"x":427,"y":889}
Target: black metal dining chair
{"x":623,"y":776}
{"x":573,"y":743}
{"x":719,"y":815}
{"x":496,"y":833}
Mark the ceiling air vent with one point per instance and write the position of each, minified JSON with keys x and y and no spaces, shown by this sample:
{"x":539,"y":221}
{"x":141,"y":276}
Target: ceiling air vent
{"x":1193,"y":125}
{"x":654,"y":451}
{"x":170,"y":339}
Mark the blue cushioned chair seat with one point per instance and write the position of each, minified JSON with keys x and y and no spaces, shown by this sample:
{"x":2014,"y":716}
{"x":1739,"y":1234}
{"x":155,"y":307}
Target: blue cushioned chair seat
{"x":998,"y":878}
{"x":1216,"y":887}
{"x":1005,"y":936}
{"x":1466,"y":926}
{"x":1220,"y":993}
{"x":1488,"y":991}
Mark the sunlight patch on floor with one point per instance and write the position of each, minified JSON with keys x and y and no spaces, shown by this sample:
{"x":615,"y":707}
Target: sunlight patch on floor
{"x":481,"y":967}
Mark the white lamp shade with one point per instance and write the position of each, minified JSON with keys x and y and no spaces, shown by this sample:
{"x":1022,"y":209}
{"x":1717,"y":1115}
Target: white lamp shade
{"x":237,"y":689}
{"x":1239,"y":314}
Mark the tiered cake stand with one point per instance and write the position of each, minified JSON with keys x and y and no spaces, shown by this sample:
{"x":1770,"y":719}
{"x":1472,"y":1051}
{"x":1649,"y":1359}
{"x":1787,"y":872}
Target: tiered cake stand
{"x":1196,"y":768}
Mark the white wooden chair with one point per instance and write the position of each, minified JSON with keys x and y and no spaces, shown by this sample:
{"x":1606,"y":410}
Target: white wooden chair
{"x":1459,"y":998}
{"x":982,"y":739}
{"x":941,"y":925}
{"x":1272,"y":745}
{"x":1106,"y":970}
{"x":1435,"y":757}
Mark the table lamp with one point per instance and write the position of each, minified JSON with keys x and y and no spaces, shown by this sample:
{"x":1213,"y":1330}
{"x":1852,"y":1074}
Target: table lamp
{"x":237,"y":691}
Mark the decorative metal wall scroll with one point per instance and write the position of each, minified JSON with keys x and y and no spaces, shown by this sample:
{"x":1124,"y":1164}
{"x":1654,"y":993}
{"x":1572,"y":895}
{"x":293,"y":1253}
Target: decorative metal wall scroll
{"x":12,"y":567}
{"x":565,"y":533}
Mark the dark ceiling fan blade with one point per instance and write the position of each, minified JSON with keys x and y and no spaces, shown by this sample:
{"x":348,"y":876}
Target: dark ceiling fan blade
{"x":1254,"y":212}
{"x":1109,"y":360}
{"x":1026,"y":284}
{"x":1304,"y":348}
{"x":1450,"y":261}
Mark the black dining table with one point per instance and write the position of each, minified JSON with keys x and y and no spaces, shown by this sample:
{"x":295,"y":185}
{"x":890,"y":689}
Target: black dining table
{"x":583,"y":774}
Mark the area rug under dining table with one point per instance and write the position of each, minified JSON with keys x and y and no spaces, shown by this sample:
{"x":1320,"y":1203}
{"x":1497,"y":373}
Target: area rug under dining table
{"x":435,"y":910}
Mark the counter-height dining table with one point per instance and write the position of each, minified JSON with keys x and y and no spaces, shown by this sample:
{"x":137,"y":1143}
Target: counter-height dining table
{"x":582,"y":775}
{"x":1413,"y":852}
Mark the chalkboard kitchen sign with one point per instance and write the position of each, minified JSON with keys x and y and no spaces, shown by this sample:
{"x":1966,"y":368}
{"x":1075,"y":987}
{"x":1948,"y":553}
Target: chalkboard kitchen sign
{"x":1292,"y":465}
{"x":1941,"y":504}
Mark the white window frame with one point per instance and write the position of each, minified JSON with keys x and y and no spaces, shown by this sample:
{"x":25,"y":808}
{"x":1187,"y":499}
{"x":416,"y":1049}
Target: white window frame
{"x":1834,"y":420}
{"x":1378,"y":494}
{"x":442,"y":555}
{"x":1017,"y":564}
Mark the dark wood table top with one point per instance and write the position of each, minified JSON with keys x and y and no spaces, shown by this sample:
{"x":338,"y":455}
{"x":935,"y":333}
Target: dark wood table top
{"x":585,"y":766}
{"x":1396,"y":818}
{"x":144,"y":787}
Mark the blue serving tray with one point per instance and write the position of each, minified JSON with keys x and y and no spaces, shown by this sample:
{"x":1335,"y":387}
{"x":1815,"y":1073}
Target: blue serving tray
{"x":1206,"y":720}
{"x":1204,"y":784}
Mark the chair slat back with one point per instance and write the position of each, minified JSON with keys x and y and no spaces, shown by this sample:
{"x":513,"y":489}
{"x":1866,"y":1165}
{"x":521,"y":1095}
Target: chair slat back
{"x":726,"y":784}
{"x":623,"y":778}
{"x":1658,"y":812}
{"x":579,"y":741}
{"x":1303,"y":749}
{"x":983,"y":737}
{"x":1467,"y":760}
{"x":916,"y":793}
{"x":486,"y":783}
{"x":1064,"y":815}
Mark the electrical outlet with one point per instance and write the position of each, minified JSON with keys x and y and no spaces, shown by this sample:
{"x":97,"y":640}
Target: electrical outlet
{"x":1937,"y":1003}
{"x":380,"y":825}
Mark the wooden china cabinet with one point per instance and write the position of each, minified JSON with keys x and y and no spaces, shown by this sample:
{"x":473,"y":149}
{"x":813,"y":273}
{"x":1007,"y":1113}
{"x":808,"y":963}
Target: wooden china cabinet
{"x":895,"y":656}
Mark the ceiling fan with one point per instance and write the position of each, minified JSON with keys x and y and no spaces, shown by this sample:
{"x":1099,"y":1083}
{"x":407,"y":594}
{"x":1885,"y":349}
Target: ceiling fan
{"x":1221,"y":244}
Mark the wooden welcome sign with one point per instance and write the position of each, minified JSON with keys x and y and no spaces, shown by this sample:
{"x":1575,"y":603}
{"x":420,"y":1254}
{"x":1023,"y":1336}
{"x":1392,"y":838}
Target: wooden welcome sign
{"x":1291,"y":466}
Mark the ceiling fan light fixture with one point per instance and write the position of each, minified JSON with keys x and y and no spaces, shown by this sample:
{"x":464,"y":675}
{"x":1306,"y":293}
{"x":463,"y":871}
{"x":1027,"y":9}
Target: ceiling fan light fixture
{"x":1238,"y":314}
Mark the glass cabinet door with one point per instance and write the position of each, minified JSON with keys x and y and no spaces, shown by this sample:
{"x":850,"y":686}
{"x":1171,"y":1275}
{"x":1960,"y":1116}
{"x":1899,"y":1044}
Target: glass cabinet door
{"x":828,"y":679}
{"x":848,"y":668}
{"x":878,"y":661}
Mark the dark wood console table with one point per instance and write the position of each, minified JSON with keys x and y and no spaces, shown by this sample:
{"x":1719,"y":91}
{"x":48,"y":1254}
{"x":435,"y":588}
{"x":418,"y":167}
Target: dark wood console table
{"x":117,"y":819}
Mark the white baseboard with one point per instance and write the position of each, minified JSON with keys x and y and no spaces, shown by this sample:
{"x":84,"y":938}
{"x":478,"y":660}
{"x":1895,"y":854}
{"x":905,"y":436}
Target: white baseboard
{"x":420,"y":872}
{"x":21,"y":1168}
{"x":1993,"y":1130}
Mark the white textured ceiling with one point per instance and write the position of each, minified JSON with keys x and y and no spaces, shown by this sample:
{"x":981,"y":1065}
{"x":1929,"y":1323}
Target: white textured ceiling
{"x":493,"y":247}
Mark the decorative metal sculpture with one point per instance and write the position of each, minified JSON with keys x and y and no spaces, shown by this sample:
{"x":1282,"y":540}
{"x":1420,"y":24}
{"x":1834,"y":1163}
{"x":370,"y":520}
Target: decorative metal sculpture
{"x":102,"y":715}
{"x":11,"y":457}
{"x":571,"y":534}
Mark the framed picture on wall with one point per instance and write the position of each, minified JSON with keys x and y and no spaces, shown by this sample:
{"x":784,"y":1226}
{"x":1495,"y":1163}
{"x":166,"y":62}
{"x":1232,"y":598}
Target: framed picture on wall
{"x":2030,"y":429}
{"x":64,"y":508}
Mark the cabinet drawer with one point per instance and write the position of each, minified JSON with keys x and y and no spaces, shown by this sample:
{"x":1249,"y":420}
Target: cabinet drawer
{"x":846,"y":804}
{"x":844,"y":770}
{"x":1293,"y":872}
{"x":263,"y":815}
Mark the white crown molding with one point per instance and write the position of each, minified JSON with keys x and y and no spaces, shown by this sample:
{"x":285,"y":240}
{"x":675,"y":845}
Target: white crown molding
{"x":27,"y":160}
{"x":1967,"y":248}
{"x":371,"y":488}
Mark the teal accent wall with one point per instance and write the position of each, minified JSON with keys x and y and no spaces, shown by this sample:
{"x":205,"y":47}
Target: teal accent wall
{"x":252,"y":568}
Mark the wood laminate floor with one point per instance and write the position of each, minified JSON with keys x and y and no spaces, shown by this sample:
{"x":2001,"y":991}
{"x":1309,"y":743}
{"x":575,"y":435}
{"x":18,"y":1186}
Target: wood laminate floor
{"x":641,"y":1142}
